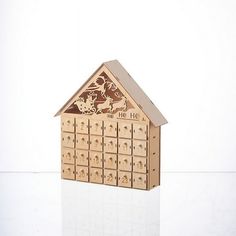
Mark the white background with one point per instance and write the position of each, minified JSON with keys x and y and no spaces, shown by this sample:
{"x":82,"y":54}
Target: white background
{"x":182,"y":53}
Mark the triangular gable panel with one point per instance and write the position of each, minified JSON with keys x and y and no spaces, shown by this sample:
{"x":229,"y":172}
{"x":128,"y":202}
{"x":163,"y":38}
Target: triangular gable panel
{"x":102,"y":95}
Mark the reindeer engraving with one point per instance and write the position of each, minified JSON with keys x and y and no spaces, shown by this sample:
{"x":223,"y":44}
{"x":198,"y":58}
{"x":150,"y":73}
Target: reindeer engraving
{"x":105,"y":105}
{"x":122,"y":104}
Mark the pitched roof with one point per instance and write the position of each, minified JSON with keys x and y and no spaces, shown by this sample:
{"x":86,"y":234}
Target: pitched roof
{"x":133,"y":89}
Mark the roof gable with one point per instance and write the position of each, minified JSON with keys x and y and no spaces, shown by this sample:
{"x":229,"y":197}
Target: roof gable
{"x":111,"y":90}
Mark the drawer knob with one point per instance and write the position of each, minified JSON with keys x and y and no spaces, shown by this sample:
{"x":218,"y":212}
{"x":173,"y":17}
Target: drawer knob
{"x":110,"y":177}
{"x":96,"y":158}
{"x":124,"y":179}
{"x":140,"y":129}
{"x":125,"y":146}
{"x":68,"y":155}
{"x":81,"y":173}
{"x":68,"y":122}
{"x":140,"y":179}
{"x":140,"y":165}
{"x":125,"y":161}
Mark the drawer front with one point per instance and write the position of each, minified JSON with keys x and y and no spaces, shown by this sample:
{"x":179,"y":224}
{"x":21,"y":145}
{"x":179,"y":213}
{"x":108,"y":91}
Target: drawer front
{"x":125,"y":130}
{"x":139,"y":164}
{"x":96,"y":175}
{"x":81,"y":157}
{"x":124,"y":146}
{"x":82,"y":125}
{"x":110,"y":177}
{"x":124,"y":162}
{"x":110,"y":161}
{"x":96,"y":127}
{"x":139,"y":181}
{"x":96,"y":159}
{"x":68,"y":140}
{"x":68,"y":171}
{"x":68,"y":155}
{"x":82,"y":173}
{"x":124,"y":179}
{"x":67,"y":124}
{"x":82,"y":141}
{"x":110,"y":128}
{"x":139,"y":148}
{"x":96,"y":143}
{"x":110,"y":145}
{"x":139,"y":131}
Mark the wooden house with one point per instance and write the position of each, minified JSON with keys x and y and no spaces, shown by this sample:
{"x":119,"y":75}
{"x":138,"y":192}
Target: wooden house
{"x":111,"y":132}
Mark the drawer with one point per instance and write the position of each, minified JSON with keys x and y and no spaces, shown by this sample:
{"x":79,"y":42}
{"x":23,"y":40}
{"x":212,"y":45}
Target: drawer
{"x":139,"y":148}
{"x":110,"y":177}
{"x":96,"y":127}
{"x":124,"y":162}
{"x":125,"y":130}
{"x":110,"y":145}
{"x":81,"y":157}
{"x":68,"y":140}
{"x":110,"y":161}
{"x":82,"y":141}
{"x":139,"y":181}
{"x":67,"y":155}
{"x":68,"y":171}
{"x":139,"y":164}
{"x":96,"y":143}
{"x":82,"y":125}
{"x":124,"y":179}
{"x":67,"y":124}
{"x":82,"y":173}
{"x":96,"y":175}
{"x":139,"y":131}
{"x":95,"y":159}
{"x":124,"y":146}
{"x":110,"y":128}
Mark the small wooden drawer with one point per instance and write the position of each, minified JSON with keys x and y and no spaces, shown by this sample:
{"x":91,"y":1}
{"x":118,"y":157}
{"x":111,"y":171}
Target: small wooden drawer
{"x":68,"y":140}
{"x":96,"y":127}
{"x":82,"y":125}
{"x":139,"y":181}
{"x":68,"y":156}
{"x":110,"y":161}
{"x":95,"y":159}
{"x":125,"y":130}
{"x":82,"y":173}
{"x":96,"y":143}
{"x":139,"y":131}
{"x":110,"y":128}
{"x":139,"y":148}
{"x":124,"y":162}
{"x":124,"y":179}
{"x":67,"y":124}
{"x":110,"y":145}
{"x":110,"y":177}
{"x":140,"y":164}
{"x":124,"y":146}
{"x":68,"y":171}
{"x":82,"y":157}
{"x":96,"y":175}
{"x":82,"y":141}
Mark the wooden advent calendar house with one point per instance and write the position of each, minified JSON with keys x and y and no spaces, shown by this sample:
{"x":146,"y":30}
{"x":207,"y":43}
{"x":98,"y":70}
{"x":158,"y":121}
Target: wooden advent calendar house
{"x":111,"y":132}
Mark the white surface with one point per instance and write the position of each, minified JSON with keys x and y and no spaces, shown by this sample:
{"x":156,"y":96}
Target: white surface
{"x":182,"y":53}
{"x":186,"y":204}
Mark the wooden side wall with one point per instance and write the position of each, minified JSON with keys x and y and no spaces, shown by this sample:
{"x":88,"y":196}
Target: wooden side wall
{"x":154,"y":156}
